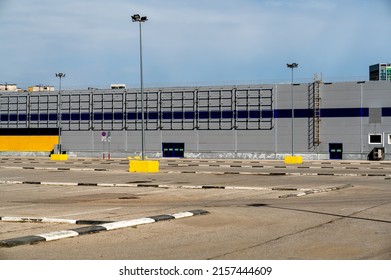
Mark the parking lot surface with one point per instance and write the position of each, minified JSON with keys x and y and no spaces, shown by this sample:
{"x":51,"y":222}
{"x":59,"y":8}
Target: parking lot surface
{"x":250,"y":209}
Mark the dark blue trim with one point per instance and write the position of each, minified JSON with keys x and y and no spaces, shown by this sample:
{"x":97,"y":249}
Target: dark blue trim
{"x":98,"y":116}
{"x":177,"y":115}
{"x":189,"y":115}
{"x":227,"y":115}
{"x":65,"y":117}
{"x":287,"y":113}
{"x":344,"y":112}
{"x":324,"y":113}
{"x":52,"y":117}
{"x":28,"y":131}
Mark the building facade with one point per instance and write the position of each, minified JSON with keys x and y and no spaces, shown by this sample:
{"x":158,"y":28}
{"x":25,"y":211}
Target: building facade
{"x":9,"y":87}
{"x":331,"y":121}
{"x":380,"y":72}
{"x":40,"y":88}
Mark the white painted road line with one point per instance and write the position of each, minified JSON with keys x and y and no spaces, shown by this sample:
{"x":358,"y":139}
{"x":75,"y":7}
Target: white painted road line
{"x":58,"y":235}
{"x":36,"y":220}
{"x":182,"y":215}
{"x":125,"y":224}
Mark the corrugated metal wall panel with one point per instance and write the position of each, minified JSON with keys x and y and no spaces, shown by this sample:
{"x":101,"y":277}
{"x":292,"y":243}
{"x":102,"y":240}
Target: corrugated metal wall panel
{"x":207,"y":119}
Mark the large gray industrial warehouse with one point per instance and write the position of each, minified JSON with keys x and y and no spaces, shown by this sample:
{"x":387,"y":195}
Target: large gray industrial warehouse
{"x":344,"y":120}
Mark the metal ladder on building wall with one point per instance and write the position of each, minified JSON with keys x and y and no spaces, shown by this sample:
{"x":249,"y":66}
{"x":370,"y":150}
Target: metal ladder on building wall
{"x":314,"y":106}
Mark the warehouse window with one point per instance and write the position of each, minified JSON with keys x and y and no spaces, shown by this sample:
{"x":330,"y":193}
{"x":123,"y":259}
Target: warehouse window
{"x":375,"y":139}
{"x":389,"y":139}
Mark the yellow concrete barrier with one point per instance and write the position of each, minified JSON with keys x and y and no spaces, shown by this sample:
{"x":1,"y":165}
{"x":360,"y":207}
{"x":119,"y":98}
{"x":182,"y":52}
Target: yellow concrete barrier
{"x":58,"y":157}
{"x":146,"y":166}
{"x":293,"y":159}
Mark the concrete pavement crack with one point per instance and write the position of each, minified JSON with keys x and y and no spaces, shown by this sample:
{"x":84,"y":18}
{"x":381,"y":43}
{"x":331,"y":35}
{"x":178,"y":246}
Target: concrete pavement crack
{"x":300,"y":231}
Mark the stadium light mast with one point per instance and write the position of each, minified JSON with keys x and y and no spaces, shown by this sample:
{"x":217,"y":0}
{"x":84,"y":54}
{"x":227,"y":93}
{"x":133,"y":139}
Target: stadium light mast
{"x":140,"y":20}
{"x":292,"y":66}
{"x":59,"y":117}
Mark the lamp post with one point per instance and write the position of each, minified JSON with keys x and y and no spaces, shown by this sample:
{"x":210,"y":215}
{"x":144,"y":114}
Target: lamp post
{"x":140,"y":20}
{"x":59,"y":118}
{"x":292,"y":66}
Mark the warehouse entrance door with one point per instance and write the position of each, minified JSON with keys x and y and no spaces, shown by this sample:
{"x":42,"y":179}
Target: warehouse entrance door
{"x":173,"y":150}
{"x":335,"y":150}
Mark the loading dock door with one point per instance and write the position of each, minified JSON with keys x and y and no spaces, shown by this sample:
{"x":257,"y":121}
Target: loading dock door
{"x":173,"y":150}
{"x":335,"y":150}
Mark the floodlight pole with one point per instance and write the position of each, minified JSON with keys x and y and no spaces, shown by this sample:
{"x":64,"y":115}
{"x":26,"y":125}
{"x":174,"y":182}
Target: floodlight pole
{"x":140,"y":20}
{"x":292,"y":66}
{"x":59,"y":117}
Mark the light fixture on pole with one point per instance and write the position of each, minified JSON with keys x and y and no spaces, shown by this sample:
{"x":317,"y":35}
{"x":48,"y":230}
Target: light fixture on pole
{"x":59,"y":118}
{"x":292,"y":66}
{"x":140,"y":20}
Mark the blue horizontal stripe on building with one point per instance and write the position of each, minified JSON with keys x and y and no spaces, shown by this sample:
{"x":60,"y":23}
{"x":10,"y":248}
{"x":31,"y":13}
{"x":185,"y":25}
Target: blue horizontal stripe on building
{"x":229,"y":114}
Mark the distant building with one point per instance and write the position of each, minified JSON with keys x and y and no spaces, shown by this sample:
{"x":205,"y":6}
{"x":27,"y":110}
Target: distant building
{"x":40,"y":88}
{"x":9,"y":87}
{"x":118,"y":86}
{"x":380,"y":72}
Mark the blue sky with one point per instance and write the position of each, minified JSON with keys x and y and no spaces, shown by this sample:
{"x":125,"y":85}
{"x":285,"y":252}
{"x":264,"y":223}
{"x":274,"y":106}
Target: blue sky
{"x":190,"y":42}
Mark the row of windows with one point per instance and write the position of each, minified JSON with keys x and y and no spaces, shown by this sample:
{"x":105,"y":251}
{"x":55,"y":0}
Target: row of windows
{"x":245,"y":109}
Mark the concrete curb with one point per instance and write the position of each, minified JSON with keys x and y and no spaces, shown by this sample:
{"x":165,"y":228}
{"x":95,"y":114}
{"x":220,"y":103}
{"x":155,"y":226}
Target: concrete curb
{"x":307,"y":192}
{"x":59,"y":168}
{"x":332,"y":168}
{"x":56,"y":235}
{"x":146,"y":185}
{"x":280,"y":173}
{"x":50,"y":220}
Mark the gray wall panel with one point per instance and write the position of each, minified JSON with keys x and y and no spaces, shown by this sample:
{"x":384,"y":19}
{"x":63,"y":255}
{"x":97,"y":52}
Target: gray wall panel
{"x":108,"y":109}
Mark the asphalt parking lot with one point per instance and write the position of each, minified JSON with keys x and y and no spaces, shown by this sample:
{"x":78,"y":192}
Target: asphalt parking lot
{"x":239,"y":209}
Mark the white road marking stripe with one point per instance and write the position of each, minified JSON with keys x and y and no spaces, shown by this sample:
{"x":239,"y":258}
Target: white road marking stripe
{"x":129,"y":223}
{"x":59,"y":183}
{"x":116,"y":185}
{"x":35,"y":219}
{"x":58,"y":235}
{"x":10,"y":182}
{"x":182,"y":215}
{"x":54,"y":220}
{"x":13,"y":219}
{"x":191,"y":187}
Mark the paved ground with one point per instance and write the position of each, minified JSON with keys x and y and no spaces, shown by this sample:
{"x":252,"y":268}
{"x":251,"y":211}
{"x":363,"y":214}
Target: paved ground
{"x":257,"y":209}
